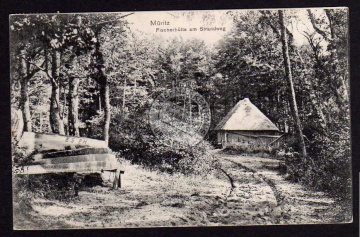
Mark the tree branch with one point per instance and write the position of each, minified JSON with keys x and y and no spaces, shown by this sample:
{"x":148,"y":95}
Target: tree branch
{"x":35,"y":70}
{"x":317,"y":29}
{"x":328,"y":14}
{"x":39,"y":68}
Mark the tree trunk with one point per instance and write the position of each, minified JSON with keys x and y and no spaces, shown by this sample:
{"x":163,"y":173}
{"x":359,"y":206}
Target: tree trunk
{"x":73,"y":122}
{"x":288,"y":73}
{"x":56,"y":122}
{"x":124,"y":96}
{"x":101,"y":79}
{"x":24,"y":92}
{"x":105,"y":94}
{"x":25,"y":105}
{"x":317,"y":108}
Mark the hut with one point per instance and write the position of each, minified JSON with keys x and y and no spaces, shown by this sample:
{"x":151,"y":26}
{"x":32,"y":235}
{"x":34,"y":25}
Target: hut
{"x":246,"y":126}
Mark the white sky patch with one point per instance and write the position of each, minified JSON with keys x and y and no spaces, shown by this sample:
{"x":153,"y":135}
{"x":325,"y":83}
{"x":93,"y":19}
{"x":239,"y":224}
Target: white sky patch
{"x":297,"y":22}
{"x":141,"y":21}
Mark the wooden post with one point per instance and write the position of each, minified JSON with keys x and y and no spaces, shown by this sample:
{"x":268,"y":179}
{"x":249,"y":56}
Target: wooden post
{"x":225,"y":138}
{"x":77,"y":179}
{"x":117,"y":179}
{"x":121,"y":172}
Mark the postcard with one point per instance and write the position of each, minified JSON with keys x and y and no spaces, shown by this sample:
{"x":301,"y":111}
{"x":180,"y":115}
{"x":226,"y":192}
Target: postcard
{"x":180,"y":118}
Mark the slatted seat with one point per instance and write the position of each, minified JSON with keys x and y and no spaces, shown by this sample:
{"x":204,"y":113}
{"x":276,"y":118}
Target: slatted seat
{"x":75,"y":152}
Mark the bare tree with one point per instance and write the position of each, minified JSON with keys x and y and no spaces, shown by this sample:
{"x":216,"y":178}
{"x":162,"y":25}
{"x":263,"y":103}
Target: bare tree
{"x":288,"y":75}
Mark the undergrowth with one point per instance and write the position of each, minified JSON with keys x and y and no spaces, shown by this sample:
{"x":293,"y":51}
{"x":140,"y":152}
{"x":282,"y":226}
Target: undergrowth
{"x":327,"y":166}
{"x":132,"y":138}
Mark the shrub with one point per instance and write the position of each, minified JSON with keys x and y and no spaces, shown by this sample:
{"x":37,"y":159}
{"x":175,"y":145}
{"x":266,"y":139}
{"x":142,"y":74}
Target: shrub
{"x":59,"y":186}
{"x":187,"y":159}
{"x":328,"y":165}
{"x":22,"y":196}
{"x":131,"y":136}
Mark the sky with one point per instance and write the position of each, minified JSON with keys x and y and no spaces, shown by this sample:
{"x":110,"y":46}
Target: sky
{"x":141,"y":22}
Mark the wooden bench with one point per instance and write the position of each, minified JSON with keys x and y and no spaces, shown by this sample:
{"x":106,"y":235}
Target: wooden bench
{"x":58,"y":154}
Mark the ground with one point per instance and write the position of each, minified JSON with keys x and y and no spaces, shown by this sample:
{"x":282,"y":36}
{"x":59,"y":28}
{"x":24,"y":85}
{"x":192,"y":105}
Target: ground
{"x":245,"y":191}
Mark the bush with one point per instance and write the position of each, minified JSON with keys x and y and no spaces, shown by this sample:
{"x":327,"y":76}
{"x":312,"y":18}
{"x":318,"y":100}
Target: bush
{"x":157,"y":156}
{"x":328,"y":165}
{"x":22,"y":196}
{"x":131,"y":136}
{"x":59,"y":186}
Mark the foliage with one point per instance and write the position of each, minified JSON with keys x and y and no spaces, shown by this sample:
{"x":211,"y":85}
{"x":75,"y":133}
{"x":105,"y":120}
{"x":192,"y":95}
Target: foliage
{"x":59,"y":186}
{"x":22,"y":197}
{"x":328,"y":166}
{"x":132,"y":137}
{"x":187,"y":160}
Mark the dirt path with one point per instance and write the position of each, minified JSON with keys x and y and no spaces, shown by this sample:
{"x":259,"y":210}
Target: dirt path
{"x":245,"y":191}
{"x":295,"y":203}
{"x":249,"y":202}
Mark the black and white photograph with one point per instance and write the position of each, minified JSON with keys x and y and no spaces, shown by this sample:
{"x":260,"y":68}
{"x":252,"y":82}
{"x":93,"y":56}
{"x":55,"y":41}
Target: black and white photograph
{"x":180,"y":118}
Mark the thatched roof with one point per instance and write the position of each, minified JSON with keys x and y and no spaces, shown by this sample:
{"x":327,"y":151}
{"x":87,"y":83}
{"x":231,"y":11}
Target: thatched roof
{"x":246,"y":116}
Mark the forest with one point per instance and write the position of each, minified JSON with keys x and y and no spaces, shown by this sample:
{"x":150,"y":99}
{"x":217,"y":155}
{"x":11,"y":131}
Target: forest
{"x":92,"y":75}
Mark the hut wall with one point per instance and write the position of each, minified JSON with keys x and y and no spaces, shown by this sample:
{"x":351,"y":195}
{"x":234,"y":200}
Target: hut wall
{"x":222,"y":137}
{"x":242,"y":139}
